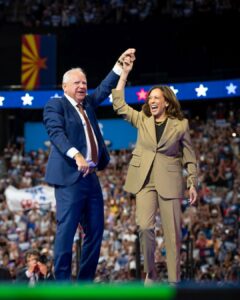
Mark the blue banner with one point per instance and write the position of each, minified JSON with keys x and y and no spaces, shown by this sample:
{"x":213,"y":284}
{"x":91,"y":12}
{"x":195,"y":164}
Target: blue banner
{"x":184,"y":91}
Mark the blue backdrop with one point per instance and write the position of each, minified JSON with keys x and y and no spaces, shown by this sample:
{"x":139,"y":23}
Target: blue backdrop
{"x":184,"y":91}
{"x":119,"y":133}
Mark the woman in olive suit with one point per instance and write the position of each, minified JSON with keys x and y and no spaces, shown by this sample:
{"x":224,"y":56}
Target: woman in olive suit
{"x":162,"y":150}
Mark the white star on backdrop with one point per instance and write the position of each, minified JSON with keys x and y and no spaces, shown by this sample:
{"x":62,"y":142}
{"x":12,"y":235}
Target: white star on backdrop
{"x":1,"y":100}
{"x":231,"y":88}
{"x":174,"y":90}
{"x":55,"y":96}
{"x":27,"y":99}
{"x":110,"y":98}
{"x":201,"y":90}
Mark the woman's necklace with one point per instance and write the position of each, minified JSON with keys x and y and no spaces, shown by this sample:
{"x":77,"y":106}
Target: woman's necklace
{"x":160,"y":123}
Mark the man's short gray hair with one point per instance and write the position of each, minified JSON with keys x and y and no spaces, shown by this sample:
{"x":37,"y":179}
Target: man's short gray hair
{"x":67,"y":74}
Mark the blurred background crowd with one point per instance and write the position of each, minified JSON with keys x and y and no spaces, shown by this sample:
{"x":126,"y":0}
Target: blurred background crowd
{"x":76,"y":12}
{"x":210,"y":230}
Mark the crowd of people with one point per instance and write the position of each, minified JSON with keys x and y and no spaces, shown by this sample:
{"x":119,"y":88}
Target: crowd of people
{"x":56,"y":13}
{"x":210,"y":229}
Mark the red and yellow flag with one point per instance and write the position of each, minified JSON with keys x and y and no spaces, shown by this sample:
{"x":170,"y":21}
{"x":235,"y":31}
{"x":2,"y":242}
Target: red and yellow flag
{"x":38,"y":61}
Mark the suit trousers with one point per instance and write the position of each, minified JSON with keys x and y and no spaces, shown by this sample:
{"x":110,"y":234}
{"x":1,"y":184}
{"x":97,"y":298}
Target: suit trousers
{"x":81,"y":202}
{"x":147,"y":203}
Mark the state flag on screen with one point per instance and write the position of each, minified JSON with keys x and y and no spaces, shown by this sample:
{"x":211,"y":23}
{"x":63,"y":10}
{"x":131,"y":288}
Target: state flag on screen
{"x":38,"y":61}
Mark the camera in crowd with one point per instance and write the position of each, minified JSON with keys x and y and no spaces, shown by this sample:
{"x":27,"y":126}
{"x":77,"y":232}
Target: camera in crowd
{"x":43,"y":260}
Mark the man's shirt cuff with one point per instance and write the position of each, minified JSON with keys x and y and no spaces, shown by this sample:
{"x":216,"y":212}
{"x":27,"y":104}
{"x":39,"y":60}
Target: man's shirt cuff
{"x":72,"y":152}
{"x":117,"y":69}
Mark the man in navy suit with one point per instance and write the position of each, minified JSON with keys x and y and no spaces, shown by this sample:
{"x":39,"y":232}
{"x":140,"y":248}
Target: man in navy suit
{"x":71,"y":168}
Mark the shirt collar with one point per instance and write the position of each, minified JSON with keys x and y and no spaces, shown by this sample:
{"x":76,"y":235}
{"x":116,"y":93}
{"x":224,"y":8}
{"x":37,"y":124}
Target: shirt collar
{"x":71,"y":100}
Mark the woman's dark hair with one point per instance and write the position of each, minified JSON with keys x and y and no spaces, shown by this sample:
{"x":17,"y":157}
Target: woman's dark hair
{"x":173,"y":110}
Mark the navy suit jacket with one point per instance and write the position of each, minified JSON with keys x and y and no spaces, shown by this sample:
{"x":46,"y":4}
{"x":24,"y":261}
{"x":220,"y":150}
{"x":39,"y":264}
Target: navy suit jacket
{"x":65,"y":131}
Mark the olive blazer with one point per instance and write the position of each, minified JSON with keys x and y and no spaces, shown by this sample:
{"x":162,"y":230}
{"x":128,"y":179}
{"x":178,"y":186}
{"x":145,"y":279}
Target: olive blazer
{"x":167,"y":159}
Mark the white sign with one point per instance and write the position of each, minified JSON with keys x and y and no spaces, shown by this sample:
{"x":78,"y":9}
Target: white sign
{"x":41,"y":197}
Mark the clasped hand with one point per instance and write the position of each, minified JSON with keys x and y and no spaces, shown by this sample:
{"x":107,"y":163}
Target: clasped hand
{"x":82,"y":165}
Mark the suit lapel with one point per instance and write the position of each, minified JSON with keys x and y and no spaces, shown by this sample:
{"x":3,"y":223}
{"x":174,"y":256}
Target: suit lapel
{"x":93,"y":121}
{"x":169,"y":130}
{"x":91,"y":118}
{"x":72,"y":111}
{"x":150,"y":125}
{"x":90,"y":114}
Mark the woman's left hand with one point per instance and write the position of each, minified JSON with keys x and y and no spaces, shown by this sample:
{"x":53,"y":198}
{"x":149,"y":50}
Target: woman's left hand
{"x":192,"y":195}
